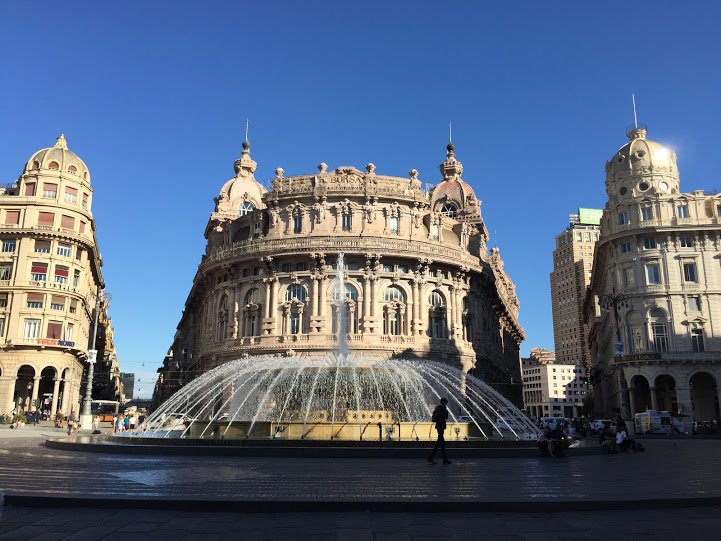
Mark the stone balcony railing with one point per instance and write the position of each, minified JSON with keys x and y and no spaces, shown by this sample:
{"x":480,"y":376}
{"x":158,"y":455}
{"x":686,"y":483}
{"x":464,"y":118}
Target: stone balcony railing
{"x":292,"y":245}
{"x":25,"y":230}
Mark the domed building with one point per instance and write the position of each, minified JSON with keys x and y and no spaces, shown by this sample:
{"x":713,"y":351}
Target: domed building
{"x":419,"y":280}
{"x":49,"y":280}
{"x":655,"y":295}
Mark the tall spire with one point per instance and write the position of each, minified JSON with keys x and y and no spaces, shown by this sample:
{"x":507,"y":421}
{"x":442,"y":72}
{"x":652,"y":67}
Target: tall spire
{"x":245,"y":166}
{"x":451,"y":168}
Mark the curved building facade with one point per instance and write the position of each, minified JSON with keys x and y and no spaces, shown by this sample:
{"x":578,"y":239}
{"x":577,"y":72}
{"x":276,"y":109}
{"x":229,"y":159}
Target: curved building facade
{"x":419,"y":278}
{"x":654,"y":306}
{"x":49,"y":279}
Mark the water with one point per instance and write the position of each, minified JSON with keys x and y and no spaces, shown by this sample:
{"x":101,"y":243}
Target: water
{"x":338,"y":395}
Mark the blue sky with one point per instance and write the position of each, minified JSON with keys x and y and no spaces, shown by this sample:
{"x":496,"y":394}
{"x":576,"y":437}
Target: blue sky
{"x":154,"y":97}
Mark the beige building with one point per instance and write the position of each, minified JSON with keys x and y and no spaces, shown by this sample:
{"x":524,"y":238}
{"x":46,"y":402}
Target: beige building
{"x":654,"y":308}
{"x":572,"y":264}
{"x":49,"y":280}
{"x":552,"y":387}
{"x":420,"y":279}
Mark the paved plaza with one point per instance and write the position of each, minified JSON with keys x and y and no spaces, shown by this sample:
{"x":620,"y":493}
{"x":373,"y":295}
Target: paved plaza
{"x":653,"y":494}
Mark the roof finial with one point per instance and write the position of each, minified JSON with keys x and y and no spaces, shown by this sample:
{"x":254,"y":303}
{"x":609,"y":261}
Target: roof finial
{"x":450,"y":132}
{"x":246,"y":129}
{"x":635,"y":120}
{"x":60,"y":142}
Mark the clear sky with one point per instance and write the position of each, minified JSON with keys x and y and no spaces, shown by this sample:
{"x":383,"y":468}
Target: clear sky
{"x":154,"y":96}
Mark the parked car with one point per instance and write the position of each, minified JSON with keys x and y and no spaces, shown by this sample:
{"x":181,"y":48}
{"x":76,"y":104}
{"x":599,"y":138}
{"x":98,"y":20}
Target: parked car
{"x":597,"y":425}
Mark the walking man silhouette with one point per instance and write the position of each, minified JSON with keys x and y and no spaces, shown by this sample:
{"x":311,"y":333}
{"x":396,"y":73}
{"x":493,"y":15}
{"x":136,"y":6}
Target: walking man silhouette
{"x":440,"y":414}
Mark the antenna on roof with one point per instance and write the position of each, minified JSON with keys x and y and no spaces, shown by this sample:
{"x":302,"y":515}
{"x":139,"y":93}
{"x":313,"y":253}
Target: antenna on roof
{"x":450,"y":132}
{"x":635,"y":120}
{"x":246,"y":129}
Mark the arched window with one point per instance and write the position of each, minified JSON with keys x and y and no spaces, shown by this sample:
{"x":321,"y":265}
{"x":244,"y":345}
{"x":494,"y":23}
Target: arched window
{"x":297,"y":220}
{"x":659,"y":330}
{"x":251,"y":307}
{"x":636,"y":334}
{"x":296,"y":292}
{"x":393,"y":311}
{"x":246,"y":207}
{"x":394,"y":293}
{"x":345,"y":310}
{"x":222,"y":318}
{"x":437,"y":316}
{"x":347,"y":219}
{"x":450,"y":210}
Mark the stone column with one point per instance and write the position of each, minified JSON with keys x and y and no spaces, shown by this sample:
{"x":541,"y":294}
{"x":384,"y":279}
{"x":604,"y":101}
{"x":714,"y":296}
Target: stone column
{"x":12,"y":382}
{"x":654,"y":399}
{"x":267,"y":299}
{"x":452,"y":312}
{"x":66,"y":397}
{"x":407,"y":317}
{"x":414,"y":307}
{"x":632,"y":400}
{"x":315,"y":295}
{"x":36,"y":389}
{"x":683,"y":397}
{"x":366,"y":299}
{"x":422,"y":310}
{"x":274,"y":312}
{"x":54,"y":403}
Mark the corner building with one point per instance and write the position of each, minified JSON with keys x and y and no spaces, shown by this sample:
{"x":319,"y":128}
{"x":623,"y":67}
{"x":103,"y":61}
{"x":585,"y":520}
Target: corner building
{"x":49,"y":279}
{"x":420,"y":281}
{"x":655,"y":289}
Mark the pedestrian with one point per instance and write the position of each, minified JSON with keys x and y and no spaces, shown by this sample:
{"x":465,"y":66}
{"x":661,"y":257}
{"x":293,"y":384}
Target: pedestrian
{"x":439,"y":417}
{"x":96,"y":423}
{"x":126,"y":423}
{"x":115,"y":424}
{"x":132,"y":421}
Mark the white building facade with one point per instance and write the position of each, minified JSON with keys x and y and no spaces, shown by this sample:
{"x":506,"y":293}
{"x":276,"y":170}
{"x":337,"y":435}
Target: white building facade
{"x":552,"y":388}
{"x":654,"y":305}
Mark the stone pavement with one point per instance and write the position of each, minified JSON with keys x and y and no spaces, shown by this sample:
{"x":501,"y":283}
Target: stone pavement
{"x":21,"y":524}
{"x":671,"y":473}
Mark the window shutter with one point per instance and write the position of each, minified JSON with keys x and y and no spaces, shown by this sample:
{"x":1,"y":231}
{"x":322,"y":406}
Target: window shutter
{"x":12,"y":217}
{"x":61,"y":271}
{"x":36,"y":297}
{"x":46,"y":218}
{"x":55,"y":330}
{"x":67,"y":222}
{"x":39,"y":268}
{"x":30,"y":189}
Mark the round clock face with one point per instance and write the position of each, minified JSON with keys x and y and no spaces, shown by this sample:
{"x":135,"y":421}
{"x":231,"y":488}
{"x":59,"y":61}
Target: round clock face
{"x":663,"y":186}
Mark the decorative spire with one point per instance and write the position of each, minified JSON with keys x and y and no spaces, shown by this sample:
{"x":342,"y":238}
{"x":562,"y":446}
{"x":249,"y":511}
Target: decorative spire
{"x":245,"y":166}
{"x":60,"y":142}
{"x":451,"y":168}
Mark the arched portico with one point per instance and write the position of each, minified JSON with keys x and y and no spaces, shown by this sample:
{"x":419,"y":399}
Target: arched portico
{"x":639,"y":394}
{"x":25,"y":388}
{"x":704,"y":396}
{"x":665,"y":393}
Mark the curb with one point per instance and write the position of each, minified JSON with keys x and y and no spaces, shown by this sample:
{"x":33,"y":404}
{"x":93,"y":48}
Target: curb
{"x":425,"y":506}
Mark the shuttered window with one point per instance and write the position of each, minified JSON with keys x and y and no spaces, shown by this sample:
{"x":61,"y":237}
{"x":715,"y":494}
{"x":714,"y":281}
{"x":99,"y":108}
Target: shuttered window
{"x":39,"y":272}
{"x":55,"y":330}
{"x":71,"y":194}
{"x":67,"y":222}
{"x":85,"y":200}
{"x":61,"y":274}
{"x":35,"y":300}
{"x":57,"y":302}
{"x":30,"y":189}
{"x":12,"y":217}
{"x":46,"y":218}
{"x":42,"y":246}
{"x":50,"y":190}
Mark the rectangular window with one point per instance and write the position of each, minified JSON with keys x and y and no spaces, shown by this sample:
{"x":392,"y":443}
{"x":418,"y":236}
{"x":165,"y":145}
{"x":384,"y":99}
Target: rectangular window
{"x":12,"y":217}
{"x":39,"y":272}
{"x":2,"y":326}
{"x":6,"y":271}
{"x":653,"y":273}
{"x":286,"y":267}
{"x":301,"y":267}
{"x":256,"y":270}
{"x":689,"y":272}
{"x":85,"y":200}
{"x":647,"y":213}
{"x":35,"y":300}
{"x":625,"y":247}
{"x":622,"y":218}
{"x":8,"y":245}
{"x":79,"y":254}
{"x":50,"y":190}
{"x":82,"y":227}
{"x":649,"y":243}
{"x":697,"y":340}
{"x":30,"y":189}
{"x":73,"y":307}
{"x":387,"y":268}
{"x":346,"y":221}
{"x":55,"y":330}
{"x":3,"y":300}
{"x":71,"y":195}
{"x":32,"y":328}
{"x":435,"y":232}
{"x":718,"y":210}
{"x":76,"y":278}
{"x":686,"y":240}
{"x":64,"y":250}
{"x":67,"y":222}
{"x":297,"y":223}
{"x":682,"y":211}
{"x":660,"y":337}
{"x":46,"y":219}
{"x":69,"y":332}
{"x":693,"y":304}
{"x":395,"y":225}
{"x":628,"y":280}
{"x":42,"y":247}
{"x":353,"y":266}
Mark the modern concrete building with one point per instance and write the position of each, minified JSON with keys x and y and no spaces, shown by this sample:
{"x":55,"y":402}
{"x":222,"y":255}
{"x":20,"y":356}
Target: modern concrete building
{"x":572,"y":264}
{"x":420,"y":279}
{"x":49,"y":282}
{"x":128,"y":382}
{"x":552,"y":387}
{"x":654,"y":307}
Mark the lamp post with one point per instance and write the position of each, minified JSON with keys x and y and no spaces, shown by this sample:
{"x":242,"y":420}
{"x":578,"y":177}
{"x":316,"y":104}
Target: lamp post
{"x":615,"y":301}
{"x":86,"y":417}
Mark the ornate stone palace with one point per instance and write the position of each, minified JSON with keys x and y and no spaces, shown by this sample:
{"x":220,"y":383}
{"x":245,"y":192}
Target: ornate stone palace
{"x":50,"y":276}
{"x":654,"y":303}
{"x":420,"y":280}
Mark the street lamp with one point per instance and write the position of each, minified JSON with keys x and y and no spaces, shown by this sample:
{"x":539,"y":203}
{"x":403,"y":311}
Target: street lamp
{"x":615,"y":301}
{"x":86,"y":417}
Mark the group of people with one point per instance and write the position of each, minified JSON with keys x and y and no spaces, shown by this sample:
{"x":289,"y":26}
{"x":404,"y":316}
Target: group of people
{"x":554,"y":442}
{"x":125,"y":423}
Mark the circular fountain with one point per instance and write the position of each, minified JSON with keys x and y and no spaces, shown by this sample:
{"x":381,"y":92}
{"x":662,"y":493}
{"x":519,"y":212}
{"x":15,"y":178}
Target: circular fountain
{"x":335,"y":397}
{"x":340,"y":396}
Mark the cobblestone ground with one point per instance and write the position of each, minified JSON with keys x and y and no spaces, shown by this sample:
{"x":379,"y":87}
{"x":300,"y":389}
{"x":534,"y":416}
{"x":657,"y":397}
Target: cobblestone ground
{"x":682,"y":469}
{"x":21,"y":524}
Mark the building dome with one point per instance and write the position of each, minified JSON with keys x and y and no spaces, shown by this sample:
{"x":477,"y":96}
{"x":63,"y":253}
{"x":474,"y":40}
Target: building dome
{"x":641,"y":166}
{"x":242,"y":193}
{"x":453,"y":196}
{"x":58,"y":158}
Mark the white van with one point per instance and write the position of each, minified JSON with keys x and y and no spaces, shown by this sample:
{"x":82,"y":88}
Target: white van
{"x":653,"y":422}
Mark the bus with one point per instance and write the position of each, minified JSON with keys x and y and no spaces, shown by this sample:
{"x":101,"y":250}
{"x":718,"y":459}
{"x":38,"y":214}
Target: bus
{"x":105,"y":410}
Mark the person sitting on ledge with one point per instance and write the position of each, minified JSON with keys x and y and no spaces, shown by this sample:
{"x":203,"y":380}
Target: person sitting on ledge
{"x":559,"y":442}
{"x":544,"y":440}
